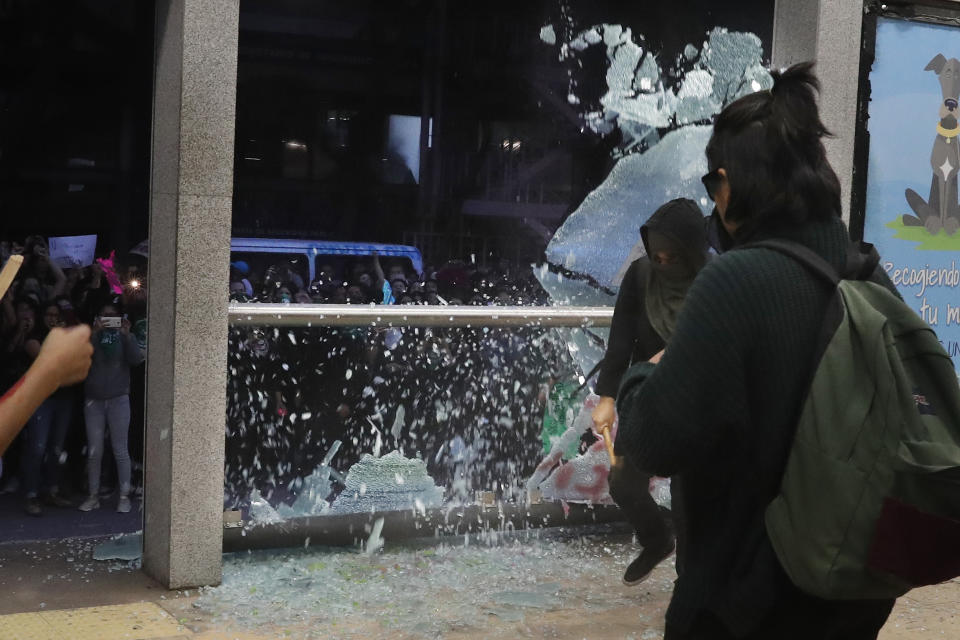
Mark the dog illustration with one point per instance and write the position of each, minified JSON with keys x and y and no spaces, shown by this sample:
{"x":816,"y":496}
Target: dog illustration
{"x":942,"y":209}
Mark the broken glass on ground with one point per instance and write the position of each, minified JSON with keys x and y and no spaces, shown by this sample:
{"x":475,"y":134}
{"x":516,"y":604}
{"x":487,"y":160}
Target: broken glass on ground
{"x":126,"y":546}
{"x":421,"y":590}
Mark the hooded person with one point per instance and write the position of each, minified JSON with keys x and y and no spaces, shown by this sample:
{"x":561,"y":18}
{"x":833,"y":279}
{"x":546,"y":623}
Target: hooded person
{"x":651,"y":295}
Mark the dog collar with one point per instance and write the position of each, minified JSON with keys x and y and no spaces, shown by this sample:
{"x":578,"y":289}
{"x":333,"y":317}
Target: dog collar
{"x":948,"y":133}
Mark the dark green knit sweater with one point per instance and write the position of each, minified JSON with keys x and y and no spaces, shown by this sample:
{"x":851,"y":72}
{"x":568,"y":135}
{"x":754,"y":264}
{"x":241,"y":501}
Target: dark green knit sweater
{"x":721,"y":409}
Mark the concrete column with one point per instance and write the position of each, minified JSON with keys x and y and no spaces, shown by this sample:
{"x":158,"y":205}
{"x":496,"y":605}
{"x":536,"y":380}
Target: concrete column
{"x":195,"y":80}
{"x":827,"y":31}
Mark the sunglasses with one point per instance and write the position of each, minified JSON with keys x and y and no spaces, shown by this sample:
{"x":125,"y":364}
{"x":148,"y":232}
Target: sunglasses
{"x":711,"y":182}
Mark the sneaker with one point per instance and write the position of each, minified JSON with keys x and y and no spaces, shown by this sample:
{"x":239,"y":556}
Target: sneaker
{"x":641,"y":568}
{"x":32,"y":507}
{"x":91,"y":503}
{"x":56,"y":500}
{"x":123,"y":505}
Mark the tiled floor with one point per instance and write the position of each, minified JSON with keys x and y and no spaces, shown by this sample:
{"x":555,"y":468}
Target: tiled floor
{"x":912,"y":618}
{"x":119,"y":622}
{"x":141,"y":621}
{"x":46,"y":596}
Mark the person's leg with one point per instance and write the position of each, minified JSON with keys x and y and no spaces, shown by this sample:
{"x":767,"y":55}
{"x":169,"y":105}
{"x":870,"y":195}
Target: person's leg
{"x":706,"y":627}
{"x":94,"y":412}
{"x":798,"y":616}
{"x":37,"y":432}
{"x":861,"y":620}
{"x":118,"y":417}
{"x":629,"y":488}
{"x":108,"y":468}
{"x":62,"y":417}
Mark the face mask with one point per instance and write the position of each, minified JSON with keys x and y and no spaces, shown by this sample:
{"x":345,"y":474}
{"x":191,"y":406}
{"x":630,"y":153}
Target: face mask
{"x":675,"y":271}
{"x":678,"y":267}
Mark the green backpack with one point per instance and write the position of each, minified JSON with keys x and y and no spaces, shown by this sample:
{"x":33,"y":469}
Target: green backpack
{"x":869,"y":505}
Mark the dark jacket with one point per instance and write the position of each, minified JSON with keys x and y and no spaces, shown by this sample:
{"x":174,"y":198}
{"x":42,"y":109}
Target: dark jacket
{"x":114,"y":353}
{"x":721,"y":409}
{"x":632,"y":337}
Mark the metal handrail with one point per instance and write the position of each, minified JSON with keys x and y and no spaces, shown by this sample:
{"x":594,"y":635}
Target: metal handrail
{"x":336,"y":315}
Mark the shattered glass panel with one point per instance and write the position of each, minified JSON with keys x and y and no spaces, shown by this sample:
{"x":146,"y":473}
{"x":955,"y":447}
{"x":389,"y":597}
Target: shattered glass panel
{"x":597,"y":238}
{"x":664,"y":127}
{"x":734,"y":59}
{"x":340,"y":421}
{"x":334,"y":422}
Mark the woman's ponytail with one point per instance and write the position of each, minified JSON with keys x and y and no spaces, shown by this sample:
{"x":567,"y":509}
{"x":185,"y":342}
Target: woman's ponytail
{"x":770,"y":144}
{"x":794,"y":109}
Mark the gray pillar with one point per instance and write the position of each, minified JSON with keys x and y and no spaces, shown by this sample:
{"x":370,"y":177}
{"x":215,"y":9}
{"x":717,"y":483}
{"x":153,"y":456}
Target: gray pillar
{"x":190,"y":217}
{"x":827,"y":31}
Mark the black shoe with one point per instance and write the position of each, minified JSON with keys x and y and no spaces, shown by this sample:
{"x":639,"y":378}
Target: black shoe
{"x":56,"y":500}
{"x":33,"y":508}
{"x":641,"y":568}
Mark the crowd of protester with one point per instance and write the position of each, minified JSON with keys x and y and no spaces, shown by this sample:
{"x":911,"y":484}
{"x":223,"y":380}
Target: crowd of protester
{"x":467,"y":401}
{"x":364,"y":280}
{"x":56,"y":459}
{"x":291,"y":393}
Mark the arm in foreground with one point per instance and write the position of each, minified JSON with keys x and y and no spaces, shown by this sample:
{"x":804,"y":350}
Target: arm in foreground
{"x":63,"y":360}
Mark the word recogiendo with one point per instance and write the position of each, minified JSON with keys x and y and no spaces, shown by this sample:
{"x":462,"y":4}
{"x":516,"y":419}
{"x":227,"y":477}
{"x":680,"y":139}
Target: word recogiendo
{"x":923,"y":277}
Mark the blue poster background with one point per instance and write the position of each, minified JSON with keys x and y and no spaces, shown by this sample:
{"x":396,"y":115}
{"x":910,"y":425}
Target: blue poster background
{"x":904,"y":113}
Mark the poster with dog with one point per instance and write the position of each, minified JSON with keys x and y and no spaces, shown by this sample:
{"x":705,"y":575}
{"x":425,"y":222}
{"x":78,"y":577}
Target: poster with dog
{"x":913,"y":207}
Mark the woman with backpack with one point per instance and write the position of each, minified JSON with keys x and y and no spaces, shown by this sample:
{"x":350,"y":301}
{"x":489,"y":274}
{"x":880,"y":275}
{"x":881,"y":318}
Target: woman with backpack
{"x":721,"y":404}
{"x":650,"y":298}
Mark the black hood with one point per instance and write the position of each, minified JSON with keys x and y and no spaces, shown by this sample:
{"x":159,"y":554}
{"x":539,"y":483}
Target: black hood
{"x":682,"y":221}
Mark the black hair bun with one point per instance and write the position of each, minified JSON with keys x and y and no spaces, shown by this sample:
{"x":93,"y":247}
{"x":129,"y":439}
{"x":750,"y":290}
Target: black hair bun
{"x":794,"y":105}
{"x":798,"y":77}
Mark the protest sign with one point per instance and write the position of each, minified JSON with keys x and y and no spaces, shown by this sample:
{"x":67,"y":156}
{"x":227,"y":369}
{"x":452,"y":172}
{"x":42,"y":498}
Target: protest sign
{"x":73,"y":251}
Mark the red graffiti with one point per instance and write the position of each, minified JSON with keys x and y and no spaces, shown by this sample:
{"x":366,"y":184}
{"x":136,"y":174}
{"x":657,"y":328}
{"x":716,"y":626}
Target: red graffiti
{"x":598,"y":490}
{"x":563,"y":476}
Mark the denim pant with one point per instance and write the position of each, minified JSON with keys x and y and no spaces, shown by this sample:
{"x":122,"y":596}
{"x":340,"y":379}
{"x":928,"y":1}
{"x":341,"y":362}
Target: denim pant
{"x":45,"y":434}
{"x":99,"y":414}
